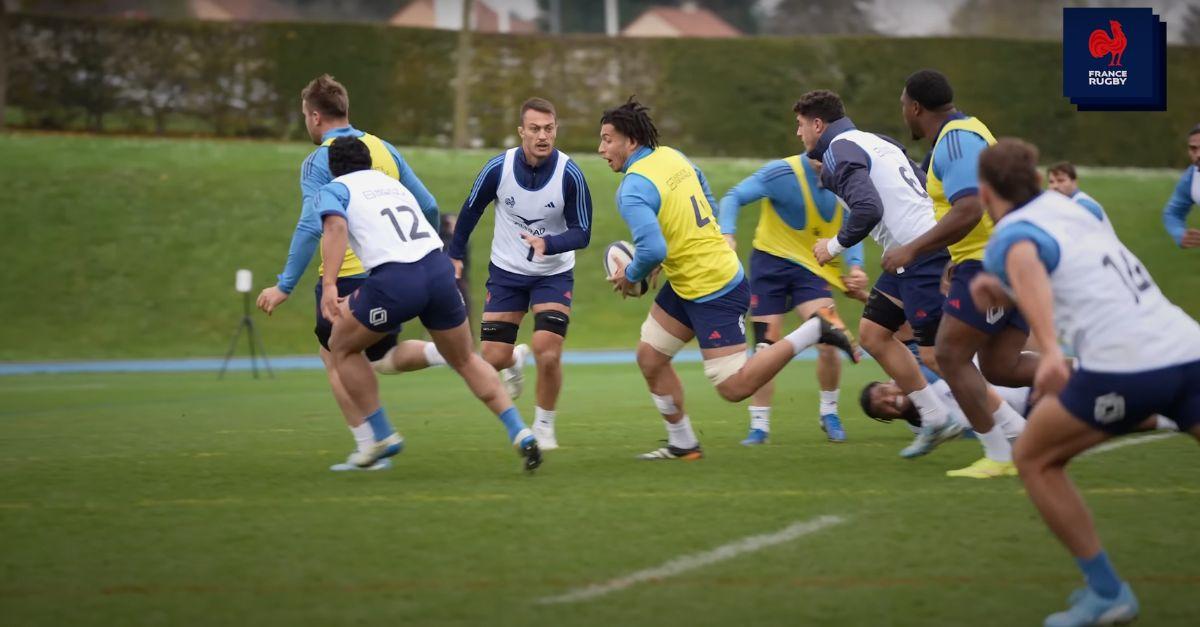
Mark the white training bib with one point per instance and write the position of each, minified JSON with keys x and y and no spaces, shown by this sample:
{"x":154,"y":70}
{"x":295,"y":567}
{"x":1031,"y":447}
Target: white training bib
{"x":385,"y":221}
{"x":907,"y":208}
{"x":1196,"y":185}
{"x":1106,"y":306}
{"x":535,"y":212}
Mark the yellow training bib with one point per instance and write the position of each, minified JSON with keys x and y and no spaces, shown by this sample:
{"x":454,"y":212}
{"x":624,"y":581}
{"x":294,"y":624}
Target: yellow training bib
{"x":381,"y":159}
{"x":971,"y":246}
{"x":775,"y":237}
{"x":698,"y":262}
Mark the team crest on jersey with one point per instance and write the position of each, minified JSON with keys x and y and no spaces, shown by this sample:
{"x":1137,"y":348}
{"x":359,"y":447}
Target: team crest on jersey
{"x":1109,"y":408}
{"x":510,"y":202}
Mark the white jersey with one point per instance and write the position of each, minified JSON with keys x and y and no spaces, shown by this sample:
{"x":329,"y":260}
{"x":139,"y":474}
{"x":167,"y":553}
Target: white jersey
{"x":907,"y":207}
{"x":535,"y":212}
{"x":1107,"y":308}
{"x":385,"y":222}
{"x":1196,"y":184}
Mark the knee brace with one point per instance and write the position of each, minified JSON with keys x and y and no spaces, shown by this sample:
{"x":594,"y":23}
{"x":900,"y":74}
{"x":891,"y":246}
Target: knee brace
{"x":553,"y":321}
{"x":503,"y":332}
{"x":720,"y":368}
{"x":659,"y":338}
{"x":882,"y":311}
{"x":761,"y":340}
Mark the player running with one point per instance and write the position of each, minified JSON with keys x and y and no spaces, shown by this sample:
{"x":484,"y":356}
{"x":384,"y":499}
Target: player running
{"x":667,"y":204}
{"x":1187,"y":194}
{"x":998,"y":335}
{"x":784,"y":275}
{"x":887,"y":200}
{"x":326,"y":107}
{"x":408,"y":277}
{"x":1138,"y":353}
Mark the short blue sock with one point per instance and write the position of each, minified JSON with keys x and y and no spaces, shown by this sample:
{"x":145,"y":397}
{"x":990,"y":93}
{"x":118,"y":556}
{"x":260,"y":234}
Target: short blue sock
{"x":512,"y":421}
{"x":381,"y":427}
{"x":1100,"y":575}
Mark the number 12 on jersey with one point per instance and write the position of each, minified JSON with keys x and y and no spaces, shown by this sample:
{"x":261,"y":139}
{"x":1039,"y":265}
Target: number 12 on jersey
{"x":415,"y":233}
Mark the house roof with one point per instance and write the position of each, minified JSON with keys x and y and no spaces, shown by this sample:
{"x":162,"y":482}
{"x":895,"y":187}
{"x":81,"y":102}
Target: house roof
{"x":686,"y":21}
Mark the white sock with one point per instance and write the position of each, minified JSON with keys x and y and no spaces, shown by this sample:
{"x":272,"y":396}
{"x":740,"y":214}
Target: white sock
{"x":760,"y":418}
{"x":545,"y":416}
{"x":1163,"y":423}
{"x":432,"y":356}
{"x":805,"y":335}
{"x":829,"y":399}
{"x":1008,"y":421}
{"x":933,"y":414}
{"x":363,"y":437}
{"x":680,"y":434}
{"x":995,"y":445}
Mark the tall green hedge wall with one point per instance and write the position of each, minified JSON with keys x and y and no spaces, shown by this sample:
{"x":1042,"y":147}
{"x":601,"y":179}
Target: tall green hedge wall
{"x":709,"y":97}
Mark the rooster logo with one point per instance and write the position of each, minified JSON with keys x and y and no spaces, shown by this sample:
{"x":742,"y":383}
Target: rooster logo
{"x":1101,"y":43}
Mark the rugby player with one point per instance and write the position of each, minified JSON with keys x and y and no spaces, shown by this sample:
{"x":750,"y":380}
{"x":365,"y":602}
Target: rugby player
{"x":1187,"y":194}
{"x":1062,"y":178}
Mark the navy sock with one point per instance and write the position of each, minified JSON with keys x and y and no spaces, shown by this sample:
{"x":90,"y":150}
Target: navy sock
{"x":512,"y":422}
{"x":380,"y":426}
{"x":1100,"y":575}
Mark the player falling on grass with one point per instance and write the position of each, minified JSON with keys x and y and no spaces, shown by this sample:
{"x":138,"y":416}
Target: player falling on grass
{"x":408,"y":277}
{"x":1062,"y":178}
{"x":997,"y":335}
{"x":326,"y":107}
{"x":784,"y":275}
{"x":667,"y":204}
{"x":885,"y":195}
{"x":1138,"y":354}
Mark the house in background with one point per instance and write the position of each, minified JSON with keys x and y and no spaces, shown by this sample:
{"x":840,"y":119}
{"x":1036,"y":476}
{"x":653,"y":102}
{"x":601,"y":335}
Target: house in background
{"x":487,"y":17}
{"x":688,"y":20}
{"x":239,"y":11}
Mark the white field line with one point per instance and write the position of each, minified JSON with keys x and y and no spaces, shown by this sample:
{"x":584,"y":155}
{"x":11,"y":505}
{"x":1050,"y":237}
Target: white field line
{"x":1130,"y":441}
{"x":685,"y":563}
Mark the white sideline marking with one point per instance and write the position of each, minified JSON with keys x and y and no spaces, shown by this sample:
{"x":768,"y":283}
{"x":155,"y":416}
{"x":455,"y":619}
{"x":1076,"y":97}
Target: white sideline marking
{"x":1122,"y":443}
{"x":683,"y":564}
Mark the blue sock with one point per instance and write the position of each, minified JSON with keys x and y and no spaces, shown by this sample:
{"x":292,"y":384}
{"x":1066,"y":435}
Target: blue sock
{"x":380,"y":426}
{"x":512,"y":421}
{"x":1100,"y":575}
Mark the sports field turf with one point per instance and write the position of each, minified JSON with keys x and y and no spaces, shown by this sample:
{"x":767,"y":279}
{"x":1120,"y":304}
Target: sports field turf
{"x":181,"y":500}
{"x":126,"y":247}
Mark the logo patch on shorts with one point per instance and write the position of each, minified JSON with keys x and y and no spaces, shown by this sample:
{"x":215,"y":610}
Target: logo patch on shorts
{"x":378,"y":316}
{"x":715,"y":335}
{"x":994,"y":314}
{"x":1109,"y":408}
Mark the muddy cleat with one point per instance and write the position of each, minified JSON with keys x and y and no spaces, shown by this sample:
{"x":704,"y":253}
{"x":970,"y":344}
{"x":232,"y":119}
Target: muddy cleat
{"x":382,"y":449}
{"x":929,"y":437}
{"x":673,"y":452}
{"x":756,"y":437}
{"x":1089,"y":608}
{"x":513,"y":377}
{"x":527,"y":446}
{"x":985,"y":468}
{"x":834,"y":333}
{"x":832,"y":426}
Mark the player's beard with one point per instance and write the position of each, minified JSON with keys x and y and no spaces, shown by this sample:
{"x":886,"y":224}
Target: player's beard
{"x":911,"y":415}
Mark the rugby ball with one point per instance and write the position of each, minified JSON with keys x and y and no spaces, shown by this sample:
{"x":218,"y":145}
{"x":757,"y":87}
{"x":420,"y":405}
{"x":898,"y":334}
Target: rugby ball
{"x":618,"y":255}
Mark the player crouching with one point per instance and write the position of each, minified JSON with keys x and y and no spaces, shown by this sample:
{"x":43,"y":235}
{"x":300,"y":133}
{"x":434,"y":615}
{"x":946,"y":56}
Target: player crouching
{"x":409,"y":277}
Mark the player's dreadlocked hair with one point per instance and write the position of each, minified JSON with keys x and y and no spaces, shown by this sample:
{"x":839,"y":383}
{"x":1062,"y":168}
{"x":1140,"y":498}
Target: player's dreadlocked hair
{"x":632,"y":120}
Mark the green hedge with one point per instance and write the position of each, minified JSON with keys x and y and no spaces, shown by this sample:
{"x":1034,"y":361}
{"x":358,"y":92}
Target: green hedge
{"x":713,"y":97}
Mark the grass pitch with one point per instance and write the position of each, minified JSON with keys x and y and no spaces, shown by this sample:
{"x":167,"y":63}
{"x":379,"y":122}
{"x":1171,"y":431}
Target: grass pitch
{"x":181,"y":500}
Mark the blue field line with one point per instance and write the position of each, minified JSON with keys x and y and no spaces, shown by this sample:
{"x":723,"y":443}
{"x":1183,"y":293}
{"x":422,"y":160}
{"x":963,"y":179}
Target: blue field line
{"x":292,"y":362}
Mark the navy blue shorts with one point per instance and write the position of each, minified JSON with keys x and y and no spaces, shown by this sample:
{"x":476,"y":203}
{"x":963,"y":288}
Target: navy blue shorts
{"x":509,"y":291}
{"x":395,"y":293}
{"x":324,"y":328}
{"x":1117,"y":402}
{"x":960,"y":306}
{"x":717,"y":322}
{"x":777,"y":285}
{"x":919,"y":289}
